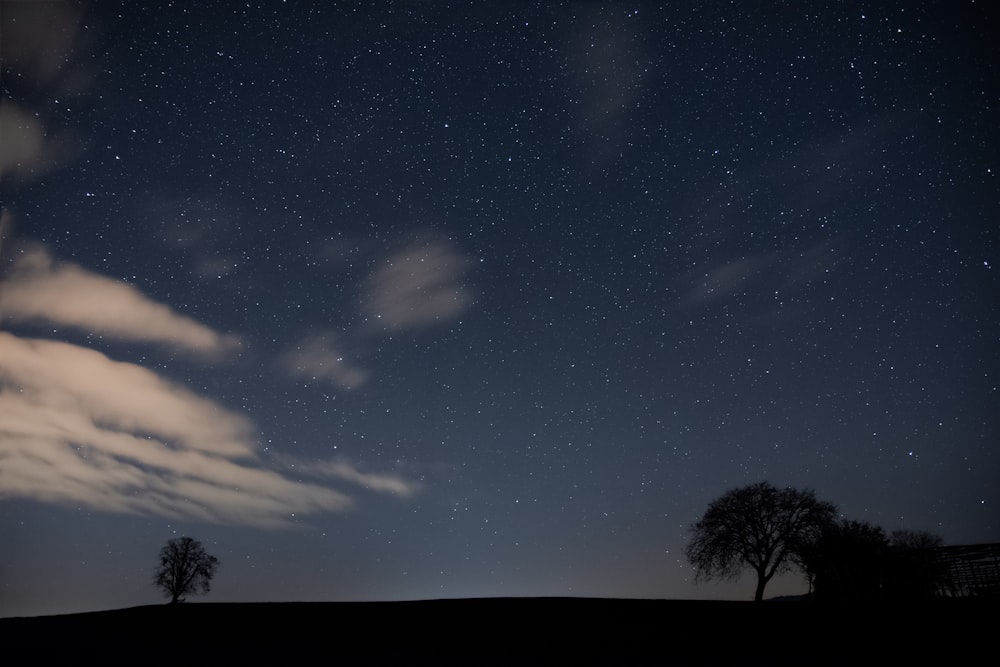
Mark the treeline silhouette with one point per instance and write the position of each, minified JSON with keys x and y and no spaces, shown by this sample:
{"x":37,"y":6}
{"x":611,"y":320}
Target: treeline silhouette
{"x":767,"y":530}
{"x":855,"y":561}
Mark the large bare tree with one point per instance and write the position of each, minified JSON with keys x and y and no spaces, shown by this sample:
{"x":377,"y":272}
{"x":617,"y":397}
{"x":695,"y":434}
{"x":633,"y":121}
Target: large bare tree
{"x":757,"y":527}
{"x":185,"y":568}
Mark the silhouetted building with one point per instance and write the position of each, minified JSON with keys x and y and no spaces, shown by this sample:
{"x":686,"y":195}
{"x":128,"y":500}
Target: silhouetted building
{"x":850,"y":569}
{"x":969,"y":570}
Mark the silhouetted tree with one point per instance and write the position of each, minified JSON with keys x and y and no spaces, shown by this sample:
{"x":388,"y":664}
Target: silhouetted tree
{"x":855,"y":561}
{"x":758,"y":527}
{"x":913,"y":570}
{"x":185,"y":569}
{"x":845,"y":561}
{"x":913,"y":540}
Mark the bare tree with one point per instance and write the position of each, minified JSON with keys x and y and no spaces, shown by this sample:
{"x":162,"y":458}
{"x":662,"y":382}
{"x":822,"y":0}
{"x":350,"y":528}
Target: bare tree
{"x":185,"y":569}
{"x":914,"y":540}
{"x":756,"y":527}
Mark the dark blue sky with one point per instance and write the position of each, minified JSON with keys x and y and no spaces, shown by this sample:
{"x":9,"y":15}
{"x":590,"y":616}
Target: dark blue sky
{"x":441,"y":299}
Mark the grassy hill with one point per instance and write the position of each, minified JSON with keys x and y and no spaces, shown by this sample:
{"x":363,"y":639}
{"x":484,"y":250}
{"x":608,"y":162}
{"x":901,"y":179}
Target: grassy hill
{"x":509,"y":631}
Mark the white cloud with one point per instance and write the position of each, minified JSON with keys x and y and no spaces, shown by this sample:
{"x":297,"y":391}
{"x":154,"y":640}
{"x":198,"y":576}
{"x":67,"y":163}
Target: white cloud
{"x":417,"y":287}
{"x":39,"y":289}
{"x":316,"y":358}
{"x":79,"y":428}
{"x":119,"y":395}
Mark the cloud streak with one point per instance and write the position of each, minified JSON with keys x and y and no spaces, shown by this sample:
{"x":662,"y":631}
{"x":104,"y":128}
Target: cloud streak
{"x":726,"y":278}
{"x":80,"y":428}
{"x":25,"y":147}
{"x":38,"y":38}
{"x":609,"y":68}
{"x":316,"y":358}
{"x":40,"y":290}
{"x":413,"y":288}
{"x":346,"y":471}
{"x":417,"y":287}
{"x":77,"y":427}
{"x":761,"y":272}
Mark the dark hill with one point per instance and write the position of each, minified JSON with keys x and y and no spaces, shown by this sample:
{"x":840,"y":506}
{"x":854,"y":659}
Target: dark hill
{"x":507,"y":631}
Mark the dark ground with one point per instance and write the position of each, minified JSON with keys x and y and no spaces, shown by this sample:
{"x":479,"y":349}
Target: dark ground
{"x":514,"y":631}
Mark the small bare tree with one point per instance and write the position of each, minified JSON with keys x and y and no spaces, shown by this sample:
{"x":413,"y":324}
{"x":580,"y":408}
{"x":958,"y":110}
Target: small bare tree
{"x":185,"y":569}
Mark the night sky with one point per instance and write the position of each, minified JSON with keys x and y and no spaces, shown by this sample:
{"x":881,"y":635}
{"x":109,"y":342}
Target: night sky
{"x":386,"y":301}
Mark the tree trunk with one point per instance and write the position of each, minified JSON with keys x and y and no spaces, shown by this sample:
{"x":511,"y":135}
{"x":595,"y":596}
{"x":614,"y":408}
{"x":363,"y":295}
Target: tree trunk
{"x":761,"y":582}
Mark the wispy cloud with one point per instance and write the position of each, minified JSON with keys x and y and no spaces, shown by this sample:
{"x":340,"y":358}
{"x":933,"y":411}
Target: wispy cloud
{"x":780,"y":271}
{"x":344,"y":470}
{"x":317,"y":358}
{"x":417,"y":287}
{"x":25,"y":147}
{"x":725,"y":278}
{"x":196,"y":228}
{"x":79,"y":428}
{"x":609,"y":69}
{"x":37,"y":40}
{"x":412,"y":288}
{"x":38,"y":289}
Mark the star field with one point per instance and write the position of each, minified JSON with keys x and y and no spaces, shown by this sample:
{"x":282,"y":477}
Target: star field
{"x":442,"y":299}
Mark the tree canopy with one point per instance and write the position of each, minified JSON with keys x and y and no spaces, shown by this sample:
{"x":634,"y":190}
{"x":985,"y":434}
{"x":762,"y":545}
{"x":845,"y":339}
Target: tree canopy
{"x":845,"y":561}
{"x":758,"y":527}
{"x":185,"y":569}
{"x":856,"y":561}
